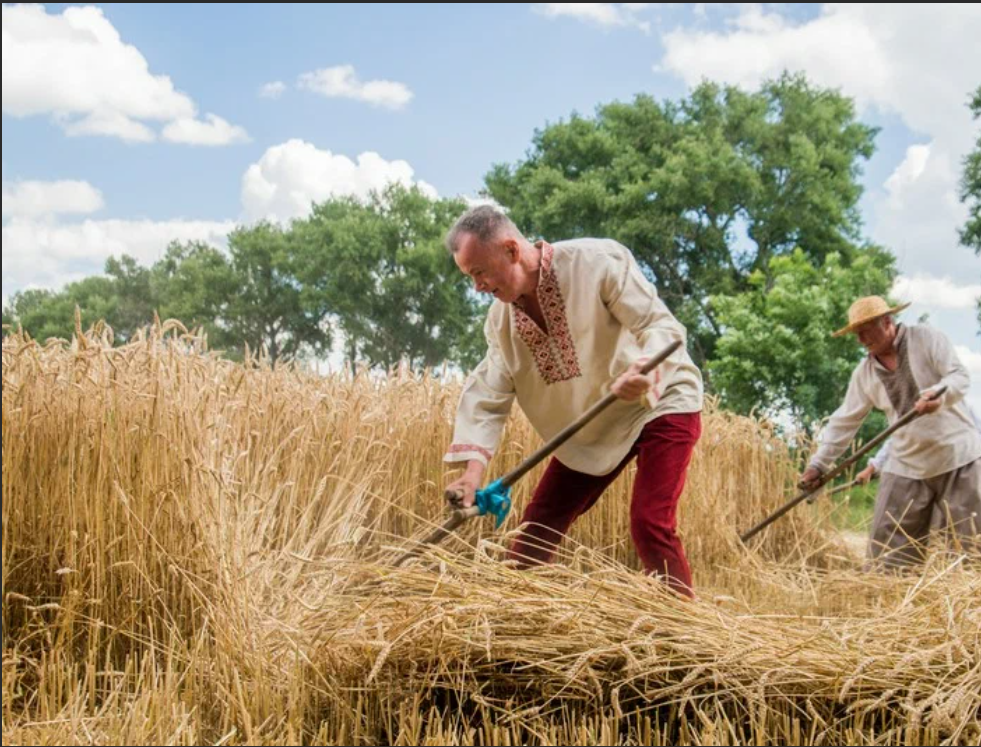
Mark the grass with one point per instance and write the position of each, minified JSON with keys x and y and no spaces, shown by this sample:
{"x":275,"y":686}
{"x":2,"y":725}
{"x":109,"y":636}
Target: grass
{"x":855,"y":508}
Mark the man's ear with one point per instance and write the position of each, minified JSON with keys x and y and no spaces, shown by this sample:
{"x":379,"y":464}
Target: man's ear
{"x":513,"y":250}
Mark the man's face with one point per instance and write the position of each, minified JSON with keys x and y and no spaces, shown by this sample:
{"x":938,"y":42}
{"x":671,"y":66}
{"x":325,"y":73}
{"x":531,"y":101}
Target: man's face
{"x":493,"y":266}
{"x":877,"y":336}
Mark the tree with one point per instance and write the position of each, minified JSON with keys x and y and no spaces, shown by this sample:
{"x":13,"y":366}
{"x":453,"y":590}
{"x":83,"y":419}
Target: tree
{"x":380,"y":270}
{"x":266,"y":309}
{"x":776,"y":353}
{"x":135,"y":300}
{"x":337,"y":250}
{"x":376,"y":270}
{"x":971,"y":186}
{"x":971,"y":191}
{"x":706,"y":192}
{"x":424,"y":310}
{"x":194,"y":284}
{"x":248,"y":296}
{"x":46,"y":314}
{"x":8,"y":320}
{"x":123,"y":298}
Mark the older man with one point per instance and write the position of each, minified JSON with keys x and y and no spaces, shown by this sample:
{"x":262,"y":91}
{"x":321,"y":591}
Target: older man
{"x":568,"y":320}
{"x":932,"y":478}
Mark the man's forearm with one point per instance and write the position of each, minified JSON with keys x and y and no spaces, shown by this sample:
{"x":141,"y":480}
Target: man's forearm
{"x":475,"y":470}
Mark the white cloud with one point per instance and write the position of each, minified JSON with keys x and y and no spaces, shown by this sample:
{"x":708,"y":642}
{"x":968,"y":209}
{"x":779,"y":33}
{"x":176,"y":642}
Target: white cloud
{"x":47,"y":199}
{"x":343,"y":82}
{"x":212,"y":132}
{"x":272,"y":90}
{"x":919,"y":212}
{"x":50,"y":255}
{"x":76,"y":68}
{"x":289,"y":178}
{"x":607,"y":15}
{"x":937,"y":293}
{"x":107,"y":124}
{"x":39,"y":250}
{"x":919,"y":61}
{"x":907,"y":174}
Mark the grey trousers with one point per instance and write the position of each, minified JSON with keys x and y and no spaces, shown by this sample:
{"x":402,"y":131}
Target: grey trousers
{"x":908,"y":512}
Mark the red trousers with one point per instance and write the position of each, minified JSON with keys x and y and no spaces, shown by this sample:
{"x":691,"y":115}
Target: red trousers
{"x":663,"y":452}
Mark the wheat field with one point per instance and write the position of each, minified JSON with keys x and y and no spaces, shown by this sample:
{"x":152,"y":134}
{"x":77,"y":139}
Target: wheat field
{"x":202,"y":552}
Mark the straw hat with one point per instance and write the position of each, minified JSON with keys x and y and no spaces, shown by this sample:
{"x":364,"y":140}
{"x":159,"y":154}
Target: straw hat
{"x":865,"y":310}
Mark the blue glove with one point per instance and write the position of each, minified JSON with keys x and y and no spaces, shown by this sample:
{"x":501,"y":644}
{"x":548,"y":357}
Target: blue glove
{"x":495,"y":500}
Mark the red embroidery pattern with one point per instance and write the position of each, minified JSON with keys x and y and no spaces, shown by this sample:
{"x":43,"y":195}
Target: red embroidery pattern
{"x":464,"y":448}
{"x":554,"y":352}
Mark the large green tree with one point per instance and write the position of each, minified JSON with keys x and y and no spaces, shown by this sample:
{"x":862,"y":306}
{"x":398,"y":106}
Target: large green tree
{"x":245,"y":297}
{"x":374,"y":270}
{"x":706,"y":192}
{"x":971,"y":191}
{"x":47,"y":315}
{"x":265,"y":309}
{"x":380,"y":270}
{"x":135,"y":302}
{"x":123,"y":298}
{"x":776,"y":353}
{"x":193,"y":283}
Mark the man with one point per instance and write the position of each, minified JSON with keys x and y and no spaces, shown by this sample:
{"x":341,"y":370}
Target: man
{"x":568,"y":320}
{"x":932,"y":478}
{"x":878,"y":462}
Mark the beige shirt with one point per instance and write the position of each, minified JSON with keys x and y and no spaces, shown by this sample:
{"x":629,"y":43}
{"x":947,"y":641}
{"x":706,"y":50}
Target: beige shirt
{"x":602,"y":315}
{"x":931,"y":445}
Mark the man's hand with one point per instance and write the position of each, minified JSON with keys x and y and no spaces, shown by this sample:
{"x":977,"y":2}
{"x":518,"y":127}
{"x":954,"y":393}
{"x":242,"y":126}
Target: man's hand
{"x":632,"y":385}
{"x":865,"y":476}
{"x":466,"y":486}
{"x":927,"y":405}
{"x":810,"y":478}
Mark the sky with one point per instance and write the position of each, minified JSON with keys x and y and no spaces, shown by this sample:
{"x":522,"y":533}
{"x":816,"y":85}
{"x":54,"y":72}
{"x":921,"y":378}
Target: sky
{"x":126,"y":126}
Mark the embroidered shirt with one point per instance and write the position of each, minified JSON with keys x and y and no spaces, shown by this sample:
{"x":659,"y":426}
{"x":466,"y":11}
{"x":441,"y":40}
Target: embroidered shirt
{"x":601,"y":314}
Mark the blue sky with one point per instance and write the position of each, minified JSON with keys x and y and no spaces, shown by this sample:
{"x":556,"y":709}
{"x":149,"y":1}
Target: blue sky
{"x":108,"y":145}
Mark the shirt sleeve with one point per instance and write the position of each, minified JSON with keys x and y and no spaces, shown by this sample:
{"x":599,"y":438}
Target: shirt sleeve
{"x":881,"y":457}
{"x":843,"y":425}
{"x":485,"y":404}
